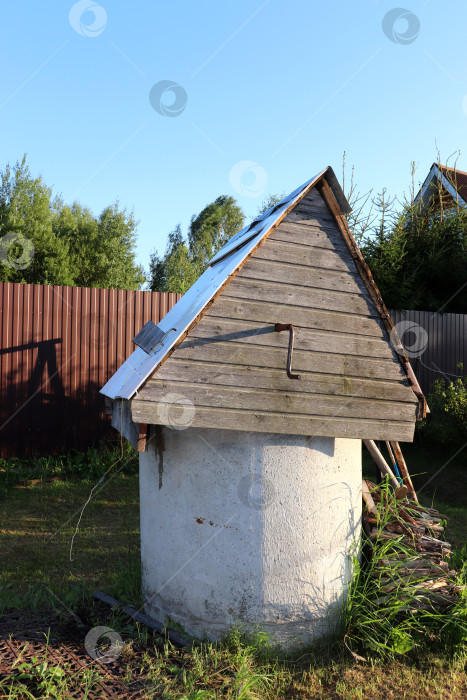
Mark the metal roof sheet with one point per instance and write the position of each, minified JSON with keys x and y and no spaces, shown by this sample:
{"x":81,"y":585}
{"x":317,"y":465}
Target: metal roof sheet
{"x":140,"y":365}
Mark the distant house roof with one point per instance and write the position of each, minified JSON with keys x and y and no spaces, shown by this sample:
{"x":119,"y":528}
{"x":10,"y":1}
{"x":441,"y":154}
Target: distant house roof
{"x":448,"y":182}
{"x":140,"y":365}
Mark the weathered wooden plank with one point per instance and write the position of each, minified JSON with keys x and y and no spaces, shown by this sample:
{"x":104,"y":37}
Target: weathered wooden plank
{"x":220,"y":329}
{"x":315,"y":220}
{"x":301,"y":255}
{"x":260,"y":377}
{"x":259,"y":421}
{"x":306,"y":233}
{"x":313,"y":199}
{"x":296,"y":295}
{"x":304,"y":276}
{"x":304,"y":211}
{"x":270,"y":400}
{"x":227,"y":307}
{"x":313,"y":206}
{"x":142,"y":437}
{"x":275,"y":358}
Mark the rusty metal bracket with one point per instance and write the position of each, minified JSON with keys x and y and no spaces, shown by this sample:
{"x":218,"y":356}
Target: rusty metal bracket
{"x":288,"y":327}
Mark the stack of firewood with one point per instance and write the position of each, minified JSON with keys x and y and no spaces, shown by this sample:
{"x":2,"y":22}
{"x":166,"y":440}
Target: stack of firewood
{"x":423,"y":562}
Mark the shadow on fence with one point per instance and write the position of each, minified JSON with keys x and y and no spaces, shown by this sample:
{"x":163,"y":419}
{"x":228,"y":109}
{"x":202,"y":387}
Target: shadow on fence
{"x":59,"y":345}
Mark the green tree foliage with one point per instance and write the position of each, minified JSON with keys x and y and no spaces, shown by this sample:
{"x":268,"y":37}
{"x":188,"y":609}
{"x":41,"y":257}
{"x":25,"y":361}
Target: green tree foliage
{"x":446,"y":424}
{"x":419,"y":258}
{"x":70,"y":245}
{"x":186,"y":259}
{"x":213,"y":227}
{"x":270,"y":201}
{"x":27,"y":210}
{"x":101,"y":249}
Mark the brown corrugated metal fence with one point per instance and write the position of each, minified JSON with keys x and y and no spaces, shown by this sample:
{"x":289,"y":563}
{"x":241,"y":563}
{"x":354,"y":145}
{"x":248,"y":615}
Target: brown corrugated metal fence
{"x":59,"y":345}
{"x":435,"y":342}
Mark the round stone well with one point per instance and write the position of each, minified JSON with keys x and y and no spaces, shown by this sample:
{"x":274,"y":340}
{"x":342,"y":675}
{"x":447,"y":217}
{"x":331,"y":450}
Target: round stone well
{"x":255,"y":529}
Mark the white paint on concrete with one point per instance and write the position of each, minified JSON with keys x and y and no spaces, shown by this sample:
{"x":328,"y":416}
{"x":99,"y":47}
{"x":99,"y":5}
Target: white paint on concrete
{"x":248,"y":527}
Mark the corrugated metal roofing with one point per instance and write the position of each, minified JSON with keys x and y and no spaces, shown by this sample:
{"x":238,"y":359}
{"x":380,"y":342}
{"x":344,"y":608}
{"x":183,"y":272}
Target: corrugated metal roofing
{"x":140,"y":365}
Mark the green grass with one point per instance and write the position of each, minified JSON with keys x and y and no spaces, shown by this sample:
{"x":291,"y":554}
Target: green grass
{"x":38,"y":516}
{"x":34,"y":549}
{"x":382,"y":623}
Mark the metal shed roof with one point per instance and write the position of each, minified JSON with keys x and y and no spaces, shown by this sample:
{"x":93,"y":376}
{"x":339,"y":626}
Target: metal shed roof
{"x":140,"y":365}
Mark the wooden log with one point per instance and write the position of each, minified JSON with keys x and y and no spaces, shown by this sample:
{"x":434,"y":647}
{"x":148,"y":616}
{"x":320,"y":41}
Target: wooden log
{"x":381,"y":463}
{"x":429,"y":585}
{"x":402,"y":513}
{"x":429,"y":513}
{"x":403,"y":470}
{"x":426,"y":539}
{"x":174,"y":635}
{"x":411,"y":563}
{"x":367,"y":498}
{"x":424,"y":572}
{"x":401,"y":492}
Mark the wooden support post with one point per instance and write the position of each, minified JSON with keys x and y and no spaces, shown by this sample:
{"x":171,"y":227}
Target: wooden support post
{"x":142,"y":437}
{"x":403,"y":470}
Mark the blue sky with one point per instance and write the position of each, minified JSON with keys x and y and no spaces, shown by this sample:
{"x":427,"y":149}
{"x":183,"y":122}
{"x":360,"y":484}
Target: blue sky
{"x":270,"y":93}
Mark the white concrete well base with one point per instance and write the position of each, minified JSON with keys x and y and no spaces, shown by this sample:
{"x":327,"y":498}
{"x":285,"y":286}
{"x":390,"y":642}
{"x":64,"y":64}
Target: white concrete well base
{"x":248,"y":528}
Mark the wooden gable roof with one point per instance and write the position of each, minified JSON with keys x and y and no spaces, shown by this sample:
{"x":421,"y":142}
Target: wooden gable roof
{"x":230,"y":363}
